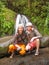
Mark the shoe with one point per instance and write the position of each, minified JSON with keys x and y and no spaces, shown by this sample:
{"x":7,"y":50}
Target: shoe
{"x":11,"y":56}
{"x":29,"y":52}
{"x":37,"y":53}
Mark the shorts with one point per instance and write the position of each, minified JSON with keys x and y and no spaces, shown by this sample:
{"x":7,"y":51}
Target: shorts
{"x":31,"y":45}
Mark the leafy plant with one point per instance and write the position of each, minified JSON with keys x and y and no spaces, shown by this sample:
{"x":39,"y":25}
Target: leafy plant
{"x":38,"y":13}
{"x":6,"y":20}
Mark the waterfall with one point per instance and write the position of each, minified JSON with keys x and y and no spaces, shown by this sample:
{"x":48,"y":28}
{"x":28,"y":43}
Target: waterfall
{"x":21,"y":19}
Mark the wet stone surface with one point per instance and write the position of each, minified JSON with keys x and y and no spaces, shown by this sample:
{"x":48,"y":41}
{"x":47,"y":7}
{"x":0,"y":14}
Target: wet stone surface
{"x":31,"y":59}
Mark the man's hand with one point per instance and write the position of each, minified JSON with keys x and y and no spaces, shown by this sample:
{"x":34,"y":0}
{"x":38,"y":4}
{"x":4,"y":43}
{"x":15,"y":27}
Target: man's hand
{"x":33,"y":39}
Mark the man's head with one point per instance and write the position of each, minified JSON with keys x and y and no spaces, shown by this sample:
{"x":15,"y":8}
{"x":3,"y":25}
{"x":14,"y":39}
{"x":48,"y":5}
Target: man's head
{"x":29,"y":26}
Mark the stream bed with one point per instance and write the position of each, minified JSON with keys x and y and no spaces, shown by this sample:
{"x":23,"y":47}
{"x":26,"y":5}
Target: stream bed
{"x":29,"y":59}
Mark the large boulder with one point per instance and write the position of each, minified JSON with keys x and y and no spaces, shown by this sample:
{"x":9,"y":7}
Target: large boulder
{"x":45,"y":41}
{"x":6,"y":41}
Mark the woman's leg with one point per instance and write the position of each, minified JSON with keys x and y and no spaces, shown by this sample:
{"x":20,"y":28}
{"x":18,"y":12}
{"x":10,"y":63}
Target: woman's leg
{"x":11,"y":50}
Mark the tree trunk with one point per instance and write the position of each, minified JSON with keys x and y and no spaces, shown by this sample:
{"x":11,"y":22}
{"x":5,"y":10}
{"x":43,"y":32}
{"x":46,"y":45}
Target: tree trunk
{"x":29,"y":4}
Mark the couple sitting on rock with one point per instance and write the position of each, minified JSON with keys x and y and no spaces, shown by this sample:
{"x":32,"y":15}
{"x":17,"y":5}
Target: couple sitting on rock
{"x":25,"y":40}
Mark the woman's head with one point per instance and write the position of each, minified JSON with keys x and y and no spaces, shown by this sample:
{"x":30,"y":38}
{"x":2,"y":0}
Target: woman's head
{"x":20,"y":28}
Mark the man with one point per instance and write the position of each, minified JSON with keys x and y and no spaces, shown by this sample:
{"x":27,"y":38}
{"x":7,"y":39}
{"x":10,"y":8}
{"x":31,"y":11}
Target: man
{"x":33,"y":38}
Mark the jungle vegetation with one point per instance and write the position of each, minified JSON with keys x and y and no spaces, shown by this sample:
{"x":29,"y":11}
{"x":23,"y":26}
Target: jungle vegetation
{"x":37,"y":12}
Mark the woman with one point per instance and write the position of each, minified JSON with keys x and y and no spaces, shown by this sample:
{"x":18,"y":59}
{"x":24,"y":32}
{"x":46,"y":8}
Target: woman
{"x":20,"y":37}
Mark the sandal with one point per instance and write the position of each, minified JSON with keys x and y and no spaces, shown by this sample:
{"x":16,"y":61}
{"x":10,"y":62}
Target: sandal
{"x":37,"y":53}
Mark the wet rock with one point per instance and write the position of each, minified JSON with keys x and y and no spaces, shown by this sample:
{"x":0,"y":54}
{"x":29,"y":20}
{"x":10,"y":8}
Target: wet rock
{"x":6,"y":41}
{"x":42,"y":59}
{"x":45,"y":41}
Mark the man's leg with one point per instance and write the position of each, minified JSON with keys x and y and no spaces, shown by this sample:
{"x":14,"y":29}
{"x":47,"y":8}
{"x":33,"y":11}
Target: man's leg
{"x":28,"y":47}
{"x":37,"y":46}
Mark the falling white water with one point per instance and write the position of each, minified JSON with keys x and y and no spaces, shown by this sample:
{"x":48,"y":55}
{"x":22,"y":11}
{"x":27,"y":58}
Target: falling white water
{"x":21,"y":19}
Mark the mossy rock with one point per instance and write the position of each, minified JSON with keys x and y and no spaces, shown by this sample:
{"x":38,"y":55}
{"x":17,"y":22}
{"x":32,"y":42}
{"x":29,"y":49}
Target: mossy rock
{"x":4,"y":43}
{"x":3,"y":51}
{"x":44,"y":42}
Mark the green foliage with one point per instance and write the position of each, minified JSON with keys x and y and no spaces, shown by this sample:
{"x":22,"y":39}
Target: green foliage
{"x":38,"y":12}
{"x":42,"y":24}
{"x":6,"y":20}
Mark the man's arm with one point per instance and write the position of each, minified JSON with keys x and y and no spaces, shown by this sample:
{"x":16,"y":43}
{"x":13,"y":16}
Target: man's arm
{"x":38,"y":35}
